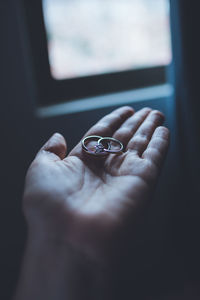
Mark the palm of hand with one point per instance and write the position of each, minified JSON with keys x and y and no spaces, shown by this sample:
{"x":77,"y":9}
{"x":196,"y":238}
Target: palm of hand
{"x":106,"y":187}
{"x":83,"y":192}
{"x":101,"y":187}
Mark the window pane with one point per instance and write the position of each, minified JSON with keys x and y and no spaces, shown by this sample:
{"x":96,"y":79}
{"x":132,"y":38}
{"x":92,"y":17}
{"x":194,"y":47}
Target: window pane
{"x":87,"y":37}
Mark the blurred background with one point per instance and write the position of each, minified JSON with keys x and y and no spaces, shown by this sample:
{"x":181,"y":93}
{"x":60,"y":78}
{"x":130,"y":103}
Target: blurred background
{"x":92,"y":37}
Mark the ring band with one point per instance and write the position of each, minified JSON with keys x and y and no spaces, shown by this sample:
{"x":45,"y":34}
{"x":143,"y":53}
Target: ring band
{"x":109,"y":150}
{"x":100,"y":148}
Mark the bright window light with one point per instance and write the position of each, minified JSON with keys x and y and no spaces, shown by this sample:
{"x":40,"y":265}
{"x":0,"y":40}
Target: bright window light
{"x":91,"y":37}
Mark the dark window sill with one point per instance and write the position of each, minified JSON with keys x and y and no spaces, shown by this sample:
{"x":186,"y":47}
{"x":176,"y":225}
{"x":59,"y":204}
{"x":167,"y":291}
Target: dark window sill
{"x":108,"y":100}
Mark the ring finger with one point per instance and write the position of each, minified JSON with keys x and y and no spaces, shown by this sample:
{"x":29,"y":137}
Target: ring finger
{"x":130,"y":126}
{"x":139,"y":142}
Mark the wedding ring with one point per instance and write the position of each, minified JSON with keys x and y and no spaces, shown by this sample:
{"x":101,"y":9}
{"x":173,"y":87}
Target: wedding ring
{"x":99,"y":149}
{"x":103,"y":146}
{"x":109,"y":140}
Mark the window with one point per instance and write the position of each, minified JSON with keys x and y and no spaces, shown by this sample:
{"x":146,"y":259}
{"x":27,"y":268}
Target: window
{"x":84,"y":48}
{"x":100,"y":36}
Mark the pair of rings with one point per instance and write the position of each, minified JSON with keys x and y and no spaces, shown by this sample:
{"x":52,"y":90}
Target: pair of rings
{"x":103,"y":146}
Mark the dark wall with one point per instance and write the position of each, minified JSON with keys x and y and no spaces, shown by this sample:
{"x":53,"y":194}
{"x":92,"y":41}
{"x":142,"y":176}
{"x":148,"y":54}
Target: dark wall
{"x":186,"y":46}
{"x":17,"y":142}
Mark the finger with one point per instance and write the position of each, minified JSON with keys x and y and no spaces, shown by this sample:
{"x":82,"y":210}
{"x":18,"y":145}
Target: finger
{"x":158,"y":146}
{"x":55,"y":147}
{"x":107,"y":125}
{"x":143,"y":135}
{"x":130,"y":126}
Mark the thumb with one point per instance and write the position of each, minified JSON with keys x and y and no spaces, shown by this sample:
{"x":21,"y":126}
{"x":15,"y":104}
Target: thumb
{"x":56,"y":147}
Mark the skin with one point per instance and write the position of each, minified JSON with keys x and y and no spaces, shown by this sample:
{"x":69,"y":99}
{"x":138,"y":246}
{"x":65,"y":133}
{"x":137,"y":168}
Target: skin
{"x":80,"y":207}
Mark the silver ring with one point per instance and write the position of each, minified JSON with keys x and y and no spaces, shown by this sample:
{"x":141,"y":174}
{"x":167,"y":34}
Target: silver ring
{"x":99,"y":148}
{"x":109,"y":150}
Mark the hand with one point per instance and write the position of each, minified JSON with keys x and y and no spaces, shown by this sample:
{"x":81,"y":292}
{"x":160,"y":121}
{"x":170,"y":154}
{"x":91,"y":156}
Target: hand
{"x":82,"y":210}
{"x":86,"y":201}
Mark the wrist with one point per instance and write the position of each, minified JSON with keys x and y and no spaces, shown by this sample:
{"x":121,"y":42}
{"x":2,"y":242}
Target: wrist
{"x":57,"y":271}
{"x":51,"y":271}
{"x":67,"y":267}
{"x":54,"y":270}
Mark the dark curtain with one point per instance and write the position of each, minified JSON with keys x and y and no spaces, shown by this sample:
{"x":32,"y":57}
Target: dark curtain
{"x":185,"y":21}
{"x":185,"y":16}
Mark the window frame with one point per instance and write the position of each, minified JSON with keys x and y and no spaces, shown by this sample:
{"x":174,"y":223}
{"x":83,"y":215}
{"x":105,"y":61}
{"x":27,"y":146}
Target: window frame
{"x":53,"y":91}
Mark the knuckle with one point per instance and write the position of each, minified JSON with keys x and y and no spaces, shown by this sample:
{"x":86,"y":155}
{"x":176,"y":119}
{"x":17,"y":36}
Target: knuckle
{"x":102,"y":128}
{"x":153,"y":152}
{"x":101,"y":125}
{"x":137,"y":118}
{"x":141,"y":139}
{"x":115,"y":117}
{"x":124,"y":131}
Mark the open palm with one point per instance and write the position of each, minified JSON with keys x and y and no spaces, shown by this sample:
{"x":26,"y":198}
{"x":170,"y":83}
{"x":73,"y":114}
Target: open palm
{"x":84,"y":198}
